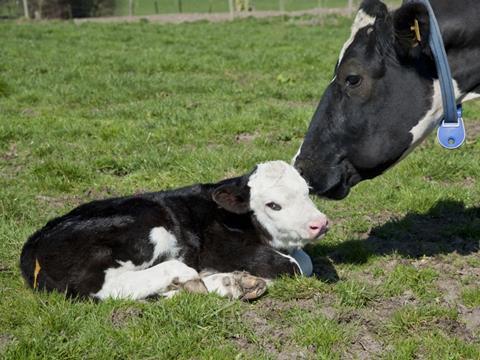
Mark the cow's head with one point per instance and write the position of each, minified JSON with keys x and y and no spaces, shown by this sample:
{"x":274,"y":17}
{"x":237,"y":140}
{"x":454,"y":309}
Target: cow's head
{"x":277,"y":196}
{"x":382,"y":101}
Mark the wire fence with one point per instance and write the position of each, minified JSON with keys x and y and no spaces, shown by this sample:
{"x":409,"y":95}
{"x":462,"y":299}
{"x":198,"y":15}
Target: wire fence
{"x":91,"y":8}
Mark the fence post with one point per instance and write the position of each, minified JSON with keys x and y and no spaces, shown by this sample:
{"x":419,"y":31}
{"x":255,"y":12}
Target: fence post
{"x":232,"y":9}
{"x":130,"y":7}
{"x":281,"y":5}
{"x":155,"y":4}
{"x":180,"y":8}
{"x":350,"y":7}
{"x":25,"y":9}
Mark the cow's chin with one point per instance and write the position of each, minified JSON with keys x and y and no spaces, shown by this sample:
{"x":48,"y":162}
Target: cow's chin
{"x":338,"y":191}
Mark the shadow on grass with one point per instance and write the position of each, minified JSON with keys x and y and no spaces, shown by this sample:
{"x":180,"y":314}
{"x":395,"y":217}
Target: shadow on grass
{"x":446,"y":228}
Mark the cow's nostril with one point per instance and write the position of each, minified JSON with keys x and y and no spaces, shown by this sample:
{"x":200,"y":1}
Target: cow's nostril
{"x":313,"y":227}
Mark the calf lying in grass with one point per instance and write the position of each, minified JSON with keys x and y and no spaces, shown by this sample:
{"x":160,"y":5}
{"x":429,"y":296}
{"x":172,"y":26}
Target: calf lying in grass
{"x":227,"y":238}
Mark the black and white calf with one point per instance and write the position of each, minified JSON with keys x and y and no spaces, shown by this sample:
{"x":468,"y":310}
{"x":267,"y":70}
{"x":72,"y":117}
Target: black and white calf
{"x":226,"y":238}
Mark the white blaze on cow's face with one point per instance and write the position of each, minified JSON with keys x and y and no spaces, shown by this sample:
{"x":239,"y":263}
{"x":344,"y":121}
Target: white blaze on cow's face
{"x":280,"y":202}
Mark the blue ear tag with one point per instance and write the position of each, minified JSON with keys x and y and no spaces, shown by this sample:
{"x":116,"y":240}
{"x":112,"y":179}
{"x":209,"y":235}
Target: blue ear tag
{"x":452,"y":135}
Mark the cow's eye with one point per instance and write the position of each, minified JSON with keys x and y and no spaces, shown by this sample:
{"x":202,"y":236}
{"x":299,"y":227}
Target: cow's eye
{"x":353,"y":80}
{"x":274,"y":206}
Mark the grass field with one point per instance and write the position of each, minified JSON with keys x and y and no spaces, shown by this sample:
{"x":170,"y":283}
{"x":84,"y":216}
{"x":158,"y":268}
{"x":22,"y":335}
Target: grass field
{"x":91,"y":111}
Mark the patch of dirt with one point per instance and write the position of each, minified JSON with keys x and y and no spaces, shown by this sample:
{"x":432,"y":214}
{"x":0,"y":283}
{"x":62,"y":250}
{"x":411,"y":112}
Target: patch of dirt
{"x":264,"y":330}
{"x":5,"y":268}
{"x":471,"y":318}
{"x":267,"y":320}
{"x":11,"y":153}
{"x":59,"y":201}
{"x":467,"y":182}
{"x":450,"y":290}
{"x":28,"y":112}
{"x":364,"y":346}
{"x":76,"y":200}
{"x":120,"y":317}
{"x":246,"y":138}
{"x":472,"y":128}
{"x":456,"y":329}
{"x":5,"y":340}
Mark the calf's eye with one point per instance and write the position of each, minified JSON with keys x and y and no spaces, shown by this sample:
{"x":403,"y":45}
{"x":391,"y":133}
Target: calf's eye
{"x":353,"y":80}
{"x":274,"y":206}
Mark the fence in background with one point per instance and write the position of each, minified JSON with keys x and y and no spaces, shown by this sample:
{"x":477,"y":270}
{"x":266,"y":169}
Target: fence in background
{"x":92,"y":8}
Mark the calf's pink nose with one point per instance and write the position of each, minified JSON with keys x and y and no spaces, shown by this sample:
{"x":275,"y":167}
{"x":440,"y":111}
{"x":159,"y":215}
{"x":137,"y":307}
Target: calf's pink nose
{"x":317,"y":227}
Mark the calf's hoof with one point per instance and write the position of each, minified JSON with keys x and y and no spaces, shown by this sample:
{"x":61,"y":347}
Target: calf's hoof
{"x":195,"y":286}
{"x":251,"y":287}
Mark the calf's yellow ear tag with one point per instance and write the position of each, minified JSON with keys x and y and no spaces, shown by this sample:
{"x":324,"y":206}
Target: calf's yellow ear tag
{"x":35,"y":273}
{"x":416,"y":30}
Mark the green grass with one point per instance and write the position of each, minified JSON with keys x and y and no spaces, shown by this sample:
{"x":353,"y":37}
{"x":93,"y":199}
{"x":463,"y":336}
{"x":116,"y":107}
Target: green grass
{"x":90,"y":111}
{"x":471,"y":297}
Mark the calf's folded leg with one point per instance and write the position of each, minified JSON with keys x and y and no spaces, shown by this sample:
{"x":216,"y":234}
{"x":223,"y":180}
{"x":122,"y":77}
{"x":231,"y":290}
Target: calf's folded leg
{"x":125,"y":282}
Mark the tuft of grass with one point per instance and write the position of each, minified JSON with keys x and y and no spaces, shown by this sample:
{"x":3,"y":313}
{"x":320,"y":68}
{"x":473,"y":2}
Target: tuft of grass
{"x":407,"y":277}
{"x":299,"y":287}
{"x":433,"y":346}
{"x":411,"y":319}
{"x":5,"y":89}
{"x":327,"y":337}
{"x":353,"y":293}
{"x":471,"y":296}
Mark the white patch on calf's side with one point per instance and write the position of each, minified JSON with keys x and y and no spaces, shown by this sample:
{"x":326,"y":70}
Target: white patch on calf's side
{"x":278,"y":182}
{"x":139,"y":281}
{"x":164,"y":243}
{"x":361,"y":20}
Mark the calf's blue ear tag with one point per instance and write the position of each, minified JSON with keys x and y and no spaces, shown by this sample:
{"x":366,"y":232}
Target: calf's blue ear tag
{"x":452,"y":135}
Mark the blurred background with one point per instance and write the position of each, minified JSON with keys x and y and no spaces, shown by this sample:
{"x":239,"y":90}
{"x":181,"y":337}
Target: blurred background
{"x":67,"y":9}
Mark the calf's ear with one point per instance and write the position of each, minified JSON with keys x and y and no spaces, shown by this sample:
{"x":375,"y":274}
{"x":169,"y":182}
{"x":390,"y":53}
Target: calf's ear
{"x":233,"y":198}
{"x":411,"y":25}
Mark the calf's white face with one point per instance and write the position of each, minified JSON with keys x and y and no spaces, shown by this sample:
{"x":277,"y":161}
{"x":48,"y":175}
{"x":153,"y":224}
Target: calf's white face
{"x":280,"y":202}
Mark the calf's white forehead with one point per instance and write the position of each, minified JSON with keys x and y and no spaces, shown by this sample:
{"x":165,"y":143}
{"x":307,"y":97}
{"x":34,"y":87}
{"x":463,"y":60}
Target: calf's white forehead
{"x":276,"y":174}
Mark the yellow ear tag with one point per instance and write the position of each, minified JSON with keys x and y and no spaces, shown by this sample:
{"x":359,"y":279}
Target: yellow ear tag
{"x":35,"y":273}
{"x":416,"y":29}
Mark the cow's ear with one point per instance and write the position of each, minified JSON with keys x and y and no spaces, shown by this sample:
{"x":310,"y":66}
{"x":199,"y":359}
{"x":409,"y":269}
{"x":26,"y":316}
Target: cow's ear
{"x":411,"y":24}
{"x":233,"y":198}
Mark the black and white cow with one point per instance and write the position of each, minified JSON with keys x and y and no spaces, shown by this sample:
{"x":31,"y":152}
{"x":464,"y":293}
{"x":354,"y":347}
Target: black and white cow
{"x":226,"y":238}
{"x":385,"y":97}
